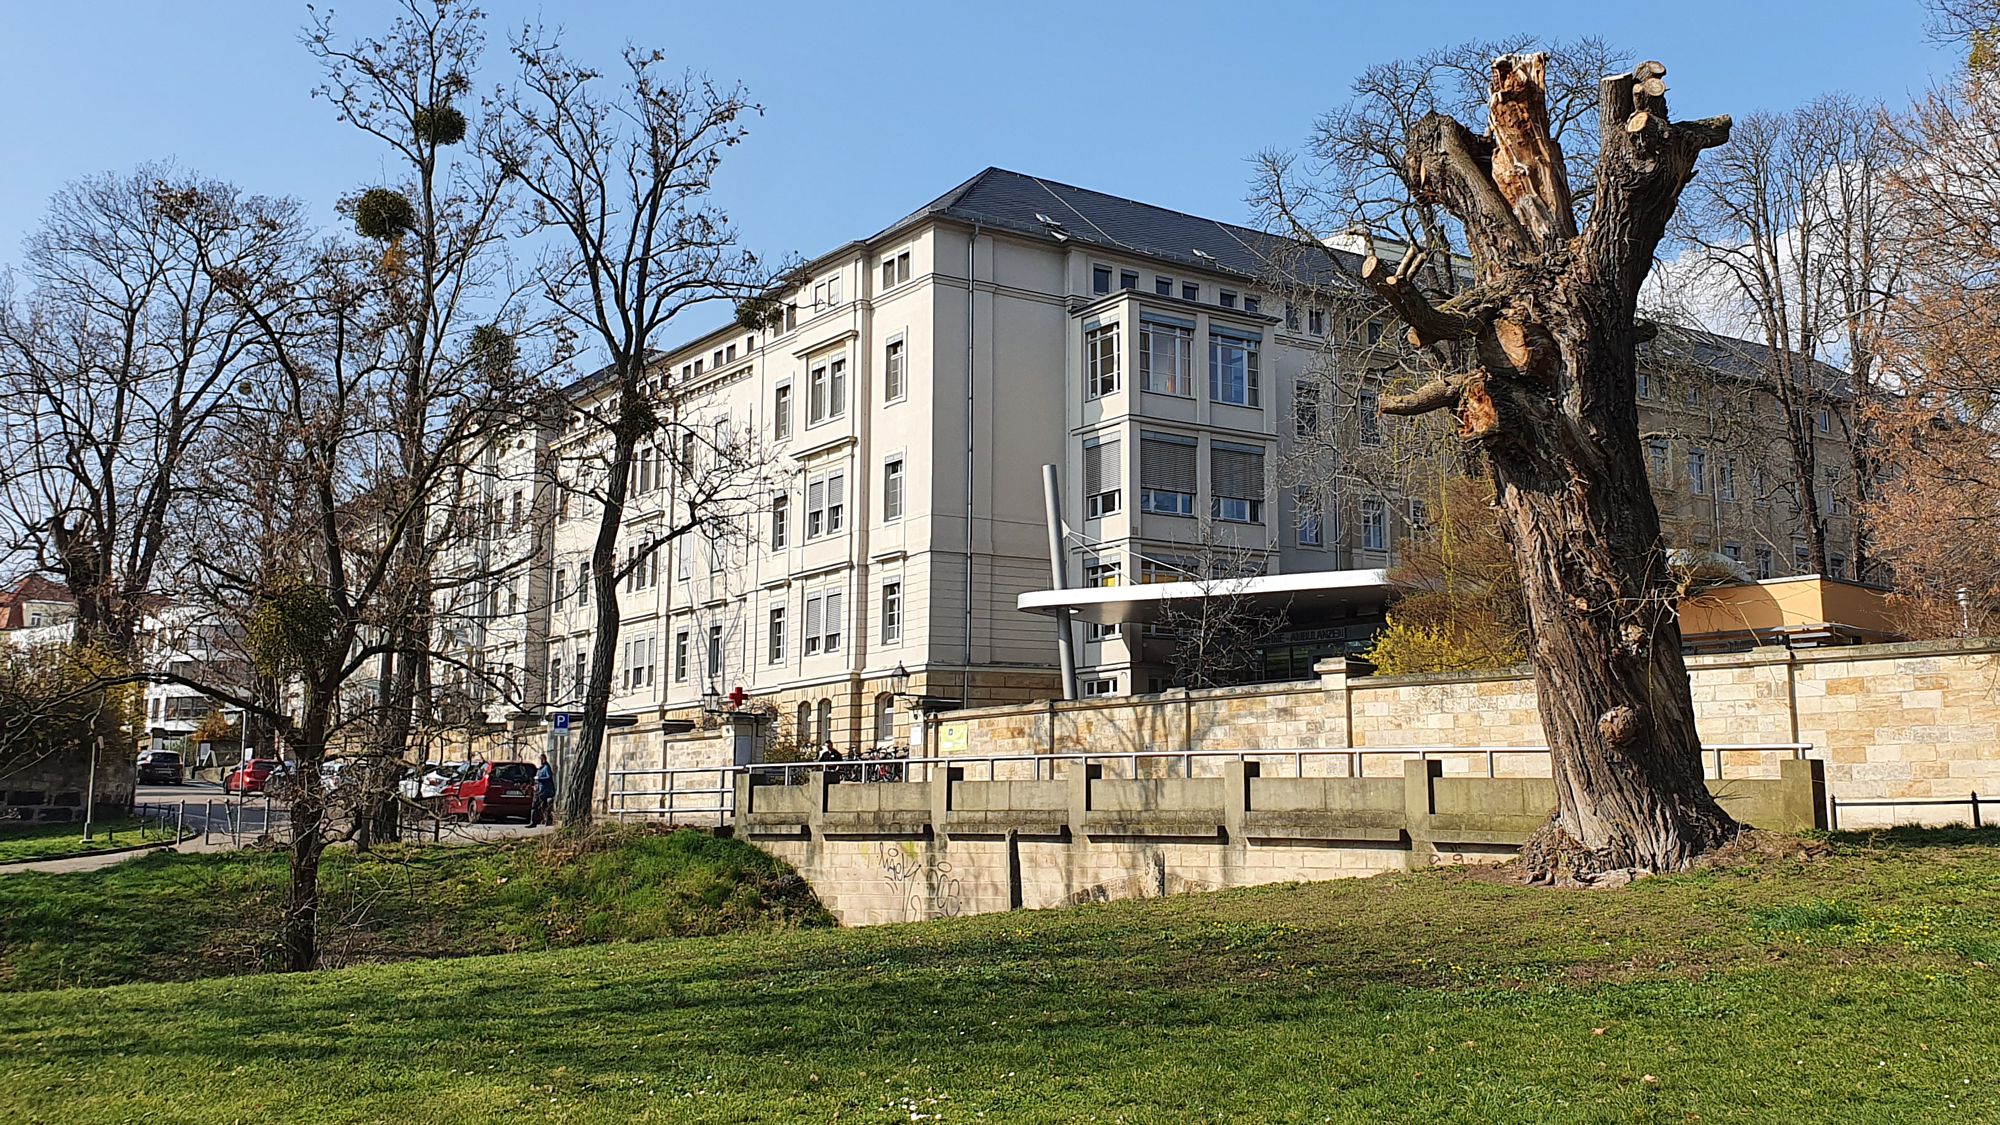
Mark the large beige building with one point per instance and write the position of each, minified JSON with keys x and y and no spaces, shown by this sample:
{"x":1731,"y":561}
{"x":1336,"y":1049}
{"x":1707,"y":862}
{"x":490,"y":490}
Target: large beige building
{"x":918,"y":382}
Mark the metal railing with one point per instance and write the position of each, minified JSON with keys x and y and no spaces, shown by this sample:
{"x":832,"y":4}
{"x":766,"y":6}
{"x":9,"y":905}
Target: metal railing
{"x":1974,"y":800}
{"x":714,"y":795}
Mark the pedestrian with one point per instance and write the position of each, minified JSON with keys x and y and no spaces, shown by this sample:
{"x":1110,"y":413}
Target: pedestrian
{"x":545,"y":794}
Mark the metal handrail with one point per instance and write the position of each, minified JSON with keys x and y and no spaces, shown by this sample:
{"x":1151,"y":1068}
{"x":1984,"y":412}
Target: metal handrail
{"x":1356,"y":757}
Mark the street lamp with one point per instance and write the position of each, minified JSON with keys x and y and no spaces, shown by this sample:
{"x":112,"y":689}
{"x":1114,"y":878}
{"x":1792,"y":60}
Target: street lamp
{"x":899,"y":681}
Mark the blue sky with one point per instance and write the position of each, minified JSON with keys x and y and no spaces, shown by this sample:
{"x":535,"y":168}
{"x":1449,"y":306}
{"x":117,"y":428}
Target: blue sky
{"x":873,"y":109}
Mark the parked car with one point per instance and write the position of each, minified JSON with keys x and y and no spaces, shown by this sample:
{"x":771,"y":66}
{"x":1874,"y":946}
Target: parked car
{"x":491,"y":789}
{"x":160,"y":767}
{"x":253,"y":776}
{"x":429,"y":784}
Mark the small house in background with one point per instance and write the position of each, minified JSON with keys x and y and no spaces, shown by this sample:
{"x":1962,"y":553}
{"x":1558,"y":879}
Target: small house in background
{"x":1806,"y":611}
{"x":35,"y":603}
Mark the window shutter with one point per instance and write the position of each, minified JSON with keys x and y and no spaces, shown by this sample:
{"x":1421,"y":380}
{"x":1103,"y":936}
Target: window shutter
{"x":1100,"y":467}
{"x":1167,"y":463}
{"x":1236,"y":471}
{"x":812,"y":618}
{"x":836,"y":490}
{"x":816,"y":496}
{"x":833,"y":614}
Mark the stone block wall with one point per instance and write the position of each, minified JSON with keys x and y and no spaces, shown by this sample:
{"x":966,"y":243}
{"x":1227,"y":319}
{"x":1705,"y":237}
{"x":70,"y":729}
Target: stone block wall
{"x":51,"y":790}
{"x":1898,"y":723}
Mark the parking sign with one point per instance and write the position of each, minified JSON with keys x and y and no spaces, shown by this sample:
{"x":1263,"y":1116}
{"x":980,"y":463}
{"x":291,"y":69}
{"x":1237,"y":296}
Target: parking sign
{"x":562,"y":722}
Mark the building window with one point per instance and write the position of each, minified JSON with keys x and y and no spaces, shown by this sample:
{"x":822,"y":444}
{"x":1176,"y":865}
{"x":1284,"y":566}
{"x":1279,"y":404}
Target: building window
{"x":885,"y":717}
{"x":826,"y":721}
{"x":583,"y":582}
{"x":805,"y":724}
{"x":1100,"y":361}
{"x":781,"y":518}
{"x":1694,"y":396}
{"x":1236,"y":482}
{"x":826,"y":505}
{"x":775,"y":642}
{"x":1836,"y":566}
{"x":1420,"y":517}
{"x":892,"y":490}
{"x":1725,"y":479}
{"x":781,"y":413}
{"x":1166,"y":356}
{"x":638,"y":663}
{"x":1252,"y":304}
{"x":1101,"y":474}
{"x":1164,"y":286}
{"x":1656,"y":461}
{"x":681,"y":657}
{"x":1100,"y":686}
{"x":562,"y":587}
{"x":642,"y":471}
{"x":1100,"y":631}
{"x":1128,"y":279}
{"x":1369,"y":407}
{"x":1099,"y":572}
{"x":1763,"y":559}
{"x":826,"y":392}
{"x":823,"y":612}
{"x":892,"y":613}
{"x":1801,"y":557}
{"x":1190,"y":291}
{"x":581,"y":679}
{"x":1733,"y":552}
{"x":1305,"y":409}
{"x":1374,"y":525}
{"x":715,"y":669}
{"x":1226,"y":298}
{"x":1232,"y":369}
{"x":1312,"y":525}
{"x":1823,"y":421}
{"x":896,"y":270}
{"x":894,"y":377}
{"x":1697,"y":471}
{"x":1316,"y":321}
{"x":1168,"y":473}
{"x":1100,"y":279}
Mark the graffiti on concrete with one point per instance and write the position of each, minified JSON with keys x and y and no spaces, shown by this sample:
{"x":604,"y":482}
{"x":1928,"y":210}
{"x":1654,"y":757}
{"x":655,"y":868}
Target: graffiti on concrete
{"x":924,"y":883}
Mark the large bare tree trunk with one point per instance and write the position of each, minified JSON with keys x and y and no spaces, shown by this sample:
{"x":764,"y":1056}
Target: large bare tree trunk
{"x":1550,"y":404}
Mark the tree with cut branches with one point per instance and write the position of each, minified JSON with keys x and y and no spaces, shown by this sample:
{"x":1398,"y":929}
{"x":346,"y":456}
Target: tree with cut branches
{"x":1547,"y":401}
{"x":618,"y":176}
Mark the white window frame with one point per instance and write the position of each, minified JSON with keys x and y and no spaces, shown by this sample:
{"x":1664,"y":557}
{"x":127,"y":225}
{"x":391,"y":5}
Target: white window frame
{"x":681,"y":644}
{"x":1097,"y":383}
{"x":781,"y":411}
{"x":1374,"y":525}
{"x":895,"y":487}
{"x":895,"y":370}
{"x":774,"y":636}
{"x":892,"y":612}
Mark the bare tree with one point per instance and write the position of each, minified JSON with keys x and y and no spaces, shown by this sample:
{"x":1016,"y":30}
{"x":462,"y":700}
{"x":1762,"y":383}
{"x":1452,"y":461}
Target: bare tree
{"x":619,"y":179}
{"x":1217,"y":638}
{"x":114,"y":364}
{"x":1548,"y":402}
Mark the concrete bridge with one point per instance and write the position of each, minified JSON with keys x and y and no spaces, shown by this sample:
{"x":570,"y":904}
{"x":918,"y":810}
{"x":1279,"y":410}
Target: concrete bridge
{"x":891,"y":851}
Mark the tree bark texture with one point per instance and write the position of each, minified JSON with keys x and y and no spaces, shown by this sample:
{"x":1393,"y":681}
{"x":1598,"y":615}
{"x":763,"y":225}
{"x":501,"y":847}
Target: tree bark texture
{"x":1550,"y":404}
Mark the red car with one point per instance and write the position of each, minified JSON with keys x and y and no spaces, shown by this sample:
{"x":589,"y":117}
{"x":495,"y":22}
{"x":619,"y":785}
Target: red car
{"x":491,"y":789}
{"x":251,"y":776}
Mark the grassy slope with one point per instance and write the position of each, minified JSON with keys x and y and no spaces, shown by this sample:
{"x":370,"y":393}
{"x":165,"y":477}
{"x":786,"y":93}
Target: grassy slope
{"x":1858,"y":988}
{"x":50,"y":840}
{"x":178,"y":917}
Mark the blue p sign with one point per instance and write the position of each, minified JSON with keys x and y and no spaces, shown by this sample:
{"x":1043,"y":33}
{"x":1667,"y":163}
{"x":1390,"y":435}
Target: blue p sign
{"x":562,"y":722}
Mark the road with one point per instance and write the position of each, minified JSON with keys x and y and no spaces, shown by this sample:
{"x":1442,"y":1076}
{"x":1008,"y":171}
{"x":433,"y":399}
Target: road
{"x":207,"y":809}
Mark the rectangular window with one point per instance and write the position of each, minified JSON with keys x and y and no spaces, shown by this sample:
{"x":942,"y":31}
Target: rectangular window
{"x":892,"y":490}
{"x":1166,"y":356}
{"x":1725,"y":479}
{"x":775,"y":643}
{"x":1128,"y":279}
{"x":1099,"y":572}
{"x":1369,"y":407}
{"x":1252,"y":304}
{"x":1100,"y":361}
{"x":1190,"y":291}
{"x":815,"y":613}
{"x":1374,"y":525}
{"x":1164,"y":286}
{"x":1291,"y":317}
{"x":781,"y":520}
{"x":1836,"y":566}
{"x":1305,"y":409}
{"x":1226,"y":298}
{"x":1420,"y":517}
{"x":1645,"y":388}
{"x":1100,"y":279}
{"x":681,"y":657}
{"x":1763,"y":557}
{"x":1732,"y":552}
{"x":583,"y":583}
{"x":1316,"y":321}
{"x":1656,"y":461}
{"x":1697,"y":471}
{"x":1101,"y":475}
{"x":1801,"y":558}
{"x":1236,"y":482}
{"x":1232,"y":369}
{"x":1312,"y":524}
{"x":894,"y":378}
{"x":1168,"y":473}
{"x":832,"y":622}
{"x":1823,"y":421}
{"x":816,"y":396}
{"x":1103,"y":685}
{"x":892,"y":613}
{"x":562,"y":587}
{"x":896,"y":270}
{"x":781,"y":413}
{"x":715,"y":669}
{"x":826,"y":505}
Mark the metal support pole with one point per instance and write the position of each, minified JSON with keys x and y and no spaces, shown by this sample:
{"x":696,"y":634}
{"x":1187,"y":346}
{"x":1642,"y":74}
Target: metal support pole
{"x":1059,"y":580}
{"x":90,"y":788}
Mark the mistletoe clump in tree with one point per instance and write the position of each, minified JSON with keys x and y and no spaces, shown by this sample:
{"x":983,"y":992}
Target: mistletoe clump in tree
{"x":1547,"y":402}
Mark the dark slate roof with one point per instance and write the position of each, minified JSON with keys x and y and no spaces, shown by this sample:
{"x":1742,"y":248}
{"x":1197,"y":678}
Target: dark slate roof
{"x":1015,"y":202}
{"x":1744,"y":359}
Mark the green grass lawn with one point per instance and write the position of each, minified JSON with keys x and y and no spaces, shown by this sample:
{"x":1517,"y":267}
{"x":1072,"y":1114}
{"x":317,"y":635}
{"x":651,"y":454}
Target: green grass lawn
{"x":1859,"y":987}
{"x":50,"y":840}
{"x":171,"y":917}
